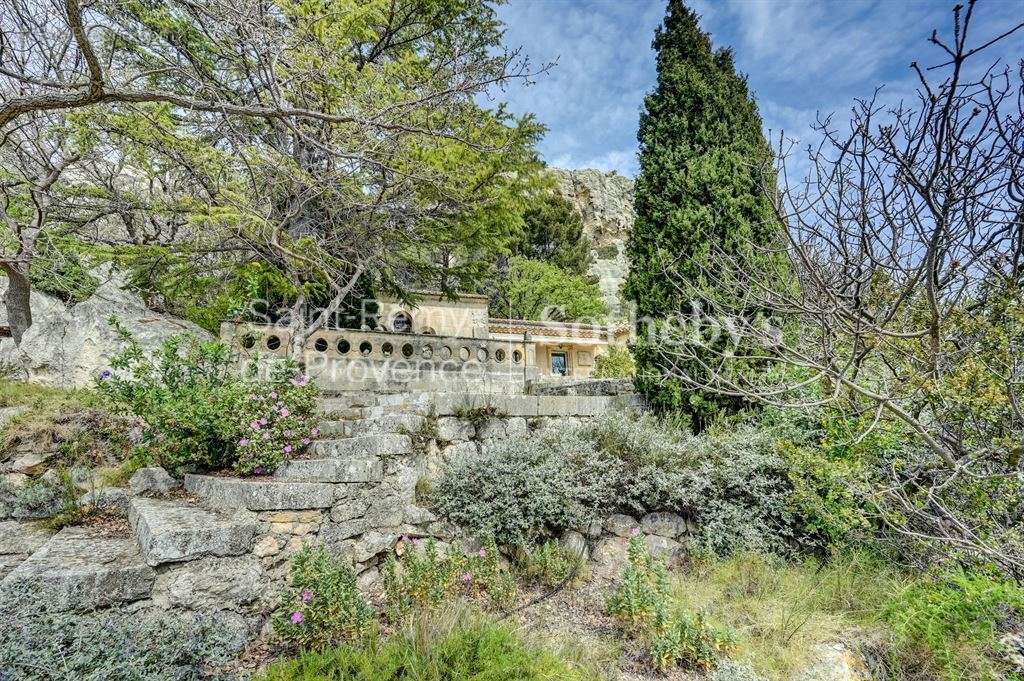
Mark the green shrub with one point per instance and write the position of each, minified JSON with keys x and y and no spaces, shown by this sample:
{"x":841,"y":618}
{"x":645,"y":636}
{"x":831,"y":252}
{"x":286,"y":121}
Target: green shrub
{"x":421,"y":579}
{"x":551,"y":564}
{"x":323,"y":606}
{"x":520,"y":489}
{"x":956,"y":621}
{"x":616,"y":363}
{"x":57,"y":270}
{"x":200,"y":413}
{"x":442,"y":647}
{"x":39,"y":643}
{"x":642,"y":605}
{"x":732,"y":482}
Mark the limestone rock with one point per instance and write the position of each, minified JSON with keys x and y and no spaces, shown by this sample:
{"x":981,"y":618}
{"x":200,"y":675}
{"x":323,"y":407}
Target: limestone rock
{"x":621,"y":525}
{"x":498,"y":428}
{"x":362,"y":469}
{"x":835,"y":662}
{"x":29,"y":463}
{"x":454,"y":429}
{"x":610,"y":557}
{"x":668,"y":525}
{"x":106,"y":498}
{"x":18,"y":541}
{"x":69,"y":346}
{"x":458,"y":451}
{"x":211,"y":583}
{"x":80,"y":569}
{"x":172,"y":531}
{"x":152,"y":480}
{"x":576,"y":543}
{"x":605,"y":203}
{"x":662,"y":547}
{"x":260,"y":494}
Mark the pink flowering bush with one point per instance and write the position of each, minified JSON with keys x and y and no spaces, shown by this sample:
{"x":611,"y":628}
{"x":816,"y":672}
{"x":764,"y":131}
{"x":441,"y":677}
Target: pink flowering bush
{"x":417,"y":577}
{"x":275,"y":422}
{"x":201,"y":411}
{"x":323,"y":606}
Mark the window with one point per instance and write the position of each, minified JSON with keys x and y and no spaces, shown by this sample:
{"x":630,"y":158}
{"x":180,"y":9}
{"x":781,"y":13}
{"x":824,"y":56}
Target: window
{"x":559,"y":365}
{"x":320,"y":344}
{"x":401,"y":323}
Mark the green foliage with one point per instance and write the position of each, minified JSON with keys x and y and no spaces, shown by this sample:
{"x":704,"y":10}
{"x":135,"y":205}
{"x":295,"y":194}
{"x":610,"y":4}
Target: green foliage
{"x":615,"y":363}
{"x":956,"y":620}
{"x":642,"y":606}
{"x":446,"y":647}
{"x":520,"y":489}
{"x":39,"y":642}
{"x":200,"y":413}
{"x":551,"y":564}
{"x":323,"y":606}
{"x":421,"y":579}
{"x":703,"y":160}
{"x":553,"y":233}
{"x":533,"y":289}
{"x":57,"y":269}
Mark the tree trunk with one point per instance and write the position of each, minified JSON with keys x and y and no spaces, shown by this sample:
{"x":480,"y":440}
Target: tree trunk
{"x":17,"y":301}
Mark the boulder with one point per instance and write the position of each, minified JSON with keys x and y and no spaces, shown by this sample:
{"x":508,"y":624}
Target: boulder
{"x":621,"y":525}
{"x":610,"y":558}
{"x":106,"y":499}
{"x":81,"y":569}
{"x":575,"y":542}
{"x":835,"y":661}
{"x":70,"y":346}
{"x":454,"y":429}
{"x":662,"y":547}
{"x":211,"y":583}
{"x":172,"y":531}
{"x":152,"y":480}
{"x":18,"y":541}
{"x":668,"y":525}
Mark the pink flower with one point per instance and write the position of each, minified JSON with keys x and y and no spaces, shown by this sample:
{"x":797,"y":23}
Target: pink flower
{"x":314,"y":432}
{"x":306,"y":440}
{"x":266,"y":436}
{"x":255,"y":425}
{"x":263,"y":421}
{"x":243,"y":442}
{"x":307,"y":596}
{"x":273,"y":395}
{"x":482,"y":553}
{"x":634,"y":532}
{"x":284,"y":412}
{"x":297,"y":617}
{"x":287,"y":449}
{"x":467,"y":577}
{"x":289,"y":433}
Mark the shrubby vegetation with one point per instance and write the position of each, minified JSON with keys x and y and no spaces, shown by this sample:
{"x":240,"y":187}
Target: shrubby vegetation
{"x":615,"y":363}
{"x":534,"y":289}
{"x":199,"y":412}
{"x":37,"y":642}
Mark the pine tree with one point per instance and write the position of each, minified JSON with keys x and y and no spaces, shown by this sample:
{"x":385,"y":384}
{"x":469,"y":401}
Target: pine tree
{"x":703,"y":157}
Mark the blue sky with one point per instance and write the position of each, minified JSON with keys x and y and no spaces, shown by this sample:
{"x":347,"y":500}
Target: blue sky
{"x":801,"y":58}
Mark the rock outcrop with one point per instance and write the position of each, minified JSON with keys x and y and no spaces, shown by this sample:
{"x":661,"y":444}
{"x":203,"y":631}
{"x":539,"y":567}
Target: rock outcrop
{"x":605,"y":201}
{"x":68,"y":346}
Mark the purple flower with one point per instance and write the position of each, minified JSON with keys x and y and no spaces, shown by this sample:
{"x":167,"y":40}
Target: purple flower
{"x":284,"y":412}
{"x":314,"y":432}
{"x":263,"y":421}
{"x":287,"y":449}
{"x":467,"y":577}
{"x":306,"y":440}
{"x":300,"y":381}
{"x":482,"y":553}
{"x":243,"y":442}
{"x":297,"y":617}
{"x":259,"y":470}
{"x":307,"y":596}
{"x":266,"y":436}
{"x":273,"y":395}
{"x":634,"y":532}
{"x":289,"y":433}
{"x":105,"y":375}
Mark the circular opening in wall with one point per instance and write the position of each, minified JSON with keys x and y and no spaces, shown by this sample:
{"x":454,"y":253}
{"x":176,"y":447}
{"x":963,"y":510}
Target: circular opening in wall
{"x":481,"y":354}
{"x":320,"y":344}
{"x":499,"y":355}
{"x":365,"y":348}
{"x":273,"y":343}
{"x":407,"y":350}
{"x":445,"y":352}
{"x":463,"y":353}
{"x":427,"y":352}
{"x":517,"y":356}
{"x":387,"y":349}
{"x":248,"y":341}
{"x":344,"y":346}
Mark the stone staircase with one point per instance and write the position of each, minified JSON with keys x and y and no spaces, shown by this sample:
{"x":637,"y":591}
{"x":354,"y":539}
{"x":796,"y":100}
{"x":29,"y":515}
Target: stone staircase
{"x":355,"y":491}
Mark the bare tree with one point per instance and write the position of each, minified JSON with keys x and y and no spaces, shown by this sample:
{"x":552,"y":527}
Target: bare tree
{"x":895,"y":294}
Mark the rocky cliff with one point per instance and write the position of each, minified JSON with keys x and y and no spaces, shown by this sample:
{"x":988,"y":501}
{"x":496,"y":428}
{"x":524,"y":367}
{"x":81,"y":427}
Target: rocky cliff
{"x":605,"y":201}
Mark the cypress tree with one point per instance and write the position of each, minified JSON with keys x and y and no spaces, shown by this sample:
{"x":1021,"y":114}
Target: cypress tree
{"x":703,"y":160}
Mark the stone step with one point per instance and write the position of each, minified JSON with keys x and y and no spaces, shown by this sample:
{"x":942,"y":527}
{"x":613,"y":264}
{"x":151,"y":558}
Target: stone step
{"x":82,"y":568}
{"x":367,"y":445}
{"x":342,"y":403}
{"x":171,"y":531}
{"x":260,"y":494}
{"x":19,"y":540}
{"x":357,"y":469}
{"x":387,"y":424}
